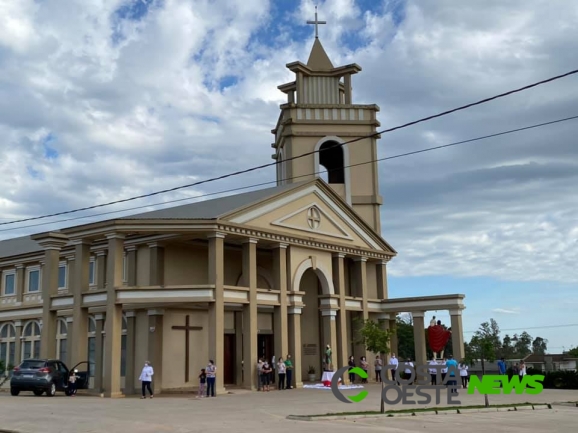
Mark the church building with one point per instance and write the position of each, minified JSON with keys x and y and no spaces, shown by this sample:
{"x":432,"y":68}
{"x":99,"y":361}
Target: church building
{"x":274,"y":272}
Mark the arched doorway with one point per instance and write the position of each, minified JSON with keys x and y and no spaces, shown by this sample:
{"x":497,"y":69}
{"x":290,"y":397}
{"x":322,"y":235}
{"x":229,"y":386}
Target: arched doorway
{"x":311,"y":325}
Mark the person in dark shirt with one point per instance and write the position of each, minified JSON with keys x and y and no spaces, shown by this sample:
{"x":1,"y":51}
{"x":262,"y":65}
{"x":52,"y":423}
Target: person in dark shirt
{"x":202,"y":383}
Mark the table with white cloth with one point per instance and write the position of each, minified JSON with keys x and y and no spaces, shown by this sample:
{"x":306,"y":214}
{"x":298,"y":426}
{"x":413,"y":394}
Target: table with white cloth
{"x":327,"y":376}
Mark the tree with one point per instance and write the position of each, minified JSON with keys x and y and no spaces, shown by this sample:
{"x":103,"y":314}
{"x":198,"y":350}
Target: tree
{"x":523,"y":344}
{"x":484,"y":346}
{"x":508,"y":350}
{"x":405,"y":340}
{"x":539,"y":346}
{"x":376,"y":340}
{"x":573,"y":352}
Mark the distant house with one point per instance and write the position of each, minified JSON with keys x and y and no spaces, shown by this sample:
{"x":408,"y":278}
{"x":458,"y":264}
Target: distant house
{"x":552,"y":362}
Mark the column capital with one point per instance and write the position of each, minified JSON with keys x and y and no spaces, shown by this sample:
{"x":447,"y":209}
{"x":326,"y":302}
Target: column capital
{"x":51,"y":240}
{"x":70,"y":258}
{"x":457,"y":312}
{"x":294,"y":310}
{"x":115,"y":235}
{"x":131,"y":248}
{"x":281,"y":245}
{"x":250,"y":241}
{"x":218,"y":235}
{"x":151,"y":245}
{"x":329,"y":312}
{"x":155,"y":312}
{"x":360,"y":259}
{"x":338,"y":255}
{"x":18,"y":323}
{"x":416,"y":314}
{"x":100,"y":253}
{"x":69,"y":319}
{"x":130,"y":314}
{"x":99,"y":316}
{"x":19,"y":266}
{"x":383,"y":316}
{"x":80,"y":242}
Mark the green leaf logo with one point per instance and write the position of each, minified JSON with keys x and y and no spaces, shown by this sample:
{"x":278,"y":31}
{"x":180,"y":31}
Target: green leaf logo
{"x":361,"y":396}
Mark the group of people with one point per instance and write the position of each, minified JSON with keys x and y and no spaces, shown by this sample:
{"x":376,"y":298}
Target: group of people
{"x":407,"y":371}
{"x":266,"y":372}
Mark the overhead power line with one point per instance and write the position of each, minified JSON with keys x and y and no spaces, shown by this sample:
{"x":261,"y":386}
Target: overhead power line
{"x":429,"y":149}
{"x":259,"y":167}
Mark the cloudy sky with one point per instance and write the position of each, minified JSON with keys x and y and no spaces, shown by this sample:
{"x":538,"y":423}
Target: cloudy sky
{"x":102,"y":100}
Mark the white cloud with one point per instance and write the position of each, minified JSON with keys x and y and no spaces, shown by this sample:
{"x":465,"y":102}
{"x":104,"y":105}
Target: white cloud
{"x":506,"y":311}
{"x":135,"y":106}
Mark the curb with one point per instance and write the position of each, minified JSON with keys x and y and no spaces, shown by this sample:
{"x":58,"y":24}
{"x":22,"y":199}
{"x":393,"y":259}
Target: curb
{"x":427,"y":413}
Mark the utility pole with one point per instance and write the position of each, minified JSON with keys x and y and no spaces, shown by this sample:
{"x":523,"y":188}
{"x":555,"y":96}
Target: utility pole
{"x":486,"y":400}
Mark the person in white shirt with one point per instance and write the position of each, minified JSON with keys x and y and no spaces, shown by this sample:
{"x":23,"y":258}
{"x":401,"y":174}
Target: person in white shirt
{"x":433,"y":371}
{"x":407,"y":371}
{"x":211,"y":377}
{"x":395,"y":362}
{"x":146,"y":377}
{"x":522,"y":372}
{"x":444,"y":369}
{"x":463,"y":374}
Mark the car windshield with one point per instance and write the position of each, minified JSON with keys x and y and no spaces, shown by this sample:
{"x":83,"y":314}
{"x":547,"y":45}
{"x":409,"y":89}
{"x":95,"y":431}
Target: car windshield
{"x":31,"y":365}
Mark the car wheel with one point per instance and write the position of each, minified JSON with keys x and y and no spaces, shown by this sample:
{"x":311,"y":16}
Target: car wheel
{"x":14,"y":391}
{"x":51,"y":392}
{"x":37,"y":392}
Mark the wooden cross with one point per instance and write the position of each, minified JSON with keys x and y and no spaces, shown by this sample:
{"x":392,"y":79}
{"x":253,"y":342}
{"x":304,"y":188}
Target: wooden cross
{"x":187,"y":328}
{"x":316,"y":22}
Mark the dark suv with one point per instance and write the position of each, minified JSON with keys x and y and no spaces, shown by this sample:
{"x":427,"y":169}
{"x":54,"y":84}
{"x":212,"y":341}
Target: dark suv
{"x":42,"y":375}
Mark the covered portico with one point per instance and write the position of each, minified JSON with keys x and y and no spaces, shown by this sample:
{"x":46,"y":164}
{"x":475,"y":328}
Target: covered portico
{"x":418,"y":307}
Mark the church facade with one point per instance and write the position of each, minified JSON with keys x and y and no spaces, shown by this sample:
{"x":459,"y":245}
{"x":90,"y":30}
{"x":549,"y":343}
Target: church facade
{"x":274,"y":272}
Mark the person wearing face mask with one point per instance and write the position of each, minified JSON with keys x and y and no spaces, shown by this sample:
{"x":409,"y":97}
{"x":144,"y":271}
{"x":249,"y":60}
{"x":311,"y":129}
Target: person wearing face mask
{"x":146,"y":377}
{"x":211,"y":373}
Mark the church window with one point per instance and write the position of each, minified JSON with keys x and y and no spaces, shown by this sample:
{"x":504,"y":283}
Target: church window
{"x":331,"y":158}
{"x":7,"y":345}
{"x":91,"y":272}
{"x":9,"y":283}
{"x":33,"y":279}
{"x":31,"y":340}
{"x":61,"y":340}
{"x":62,"y":276}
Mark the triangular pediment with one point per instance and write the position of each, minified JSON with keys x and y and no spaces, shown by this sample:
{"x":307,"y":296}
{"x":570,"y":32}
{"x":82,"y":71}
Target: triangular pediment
{"x":312,"y":210}
{"x":314,"y":219}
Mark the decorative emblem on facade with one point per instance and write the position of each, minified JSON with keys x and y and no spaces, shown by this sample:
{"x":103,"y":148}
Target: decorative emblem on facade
{"x":313,"y":217}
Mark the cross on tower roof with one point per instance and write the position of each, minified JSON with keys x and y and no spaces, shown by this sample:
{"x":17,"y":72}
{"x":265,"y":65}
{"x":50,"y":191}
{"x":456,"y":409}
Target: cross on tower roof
{"x":316,"y":22}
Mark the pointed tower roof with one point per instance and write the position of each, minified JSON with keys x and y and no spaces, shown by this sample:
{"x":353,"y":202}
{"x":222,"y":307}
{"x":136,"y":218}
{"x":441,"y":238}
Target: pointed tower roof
{"x":318,"y":59}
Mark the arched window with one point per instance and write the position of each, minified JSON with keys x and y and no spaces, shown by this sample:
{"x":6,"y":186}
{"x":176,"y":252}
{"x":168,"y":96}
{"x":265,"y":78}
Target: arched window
{"x":61,"y":339}
{"x":331,"y":159}
{"x":31,"y":340}
{"x":7,"y":345}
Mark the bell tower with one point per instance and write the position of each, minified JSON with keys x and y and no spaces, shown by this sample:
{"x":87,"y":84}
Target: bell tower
{"x":320,"y":116}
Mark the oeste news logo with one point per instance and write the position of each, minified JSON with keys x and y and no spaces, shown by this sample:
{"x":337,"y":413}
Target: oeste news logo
{"x":420,"y":378}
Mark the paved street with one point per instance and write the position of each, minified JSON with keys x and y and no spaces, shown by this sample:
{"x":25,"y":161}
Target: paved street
{"x":252,"y":412}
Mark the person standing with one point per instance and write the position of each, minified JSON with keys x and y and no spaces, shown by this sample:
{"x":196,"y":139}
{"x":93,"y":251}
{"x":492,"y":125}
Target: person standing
{"x":502,"y":368}
{"x":395,"y":362}
{"x":364,"y":366}
{"x":72,"y":383}
{"x":289,"y":369}
{"x":351,"y":364}
{"x":146,"y":377}
{"x":378,"y":364}
{"x":202,"y":383}
{"x":433,"y":371}
{"x":211,"y":377}
{"x":522,"y":371}
{"x":281,"y":369}
{"x":463,"y":367}
{"x":266,"y":376}
{"x":451,"y":362}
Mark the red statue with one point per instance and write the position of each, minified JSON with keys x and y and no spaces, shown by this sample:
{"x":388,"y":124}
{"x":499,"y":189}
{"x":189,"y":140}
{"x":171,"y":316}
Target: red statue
{"x":438,"y":337}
